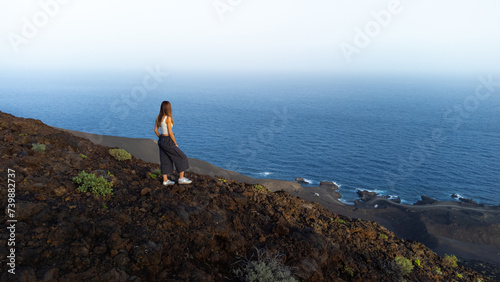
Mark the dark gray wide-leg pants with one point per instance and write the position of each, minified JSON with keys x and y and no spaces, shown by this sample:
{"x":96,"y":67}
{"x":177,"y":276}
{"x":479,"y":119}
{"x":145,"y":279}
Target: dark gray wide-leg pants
{"x":170,"y":155}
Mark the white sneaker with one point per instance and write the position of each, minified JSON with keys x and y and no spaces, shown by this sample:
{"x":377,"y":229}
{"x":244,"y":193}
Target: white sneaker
{"x":184,"y":180}
{"x":168,"y":182}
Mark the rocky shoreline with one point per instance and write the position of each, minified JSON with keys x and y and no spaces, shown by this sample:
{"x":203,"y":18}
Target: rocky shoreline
{"x":145,"y":232}
{"x":467,"y":229}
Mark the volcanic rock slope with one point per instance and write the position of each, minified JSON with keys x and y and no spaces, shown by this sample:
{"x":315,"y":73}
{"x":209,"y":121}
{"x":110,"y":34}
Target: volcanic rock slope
{"x":197,"y":232}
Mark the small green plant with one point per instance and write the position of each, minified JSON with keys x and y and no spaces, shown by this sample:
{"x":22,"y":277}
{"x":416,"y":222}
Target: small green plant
{"x":222,"y":179}
{"x":348,"y":270}
{"x":120,"y":154}
{"x":417,"y":262}
{"x":438,"y":270}
{"x":459,"y":275}
{"x":155,"y":174}
{"x":38,"y":147}
{"x":83,"y":156}
{"x":404,"y":265}
{"x":22,"y":134}
{"x":96,"y":185}
{"x":104,"y":206}
{"x":261,"y":188}
{"x":341,"y":221}
{"x":450,"y":260}
{"x":267,"y":267}
{"x":383,"y":236}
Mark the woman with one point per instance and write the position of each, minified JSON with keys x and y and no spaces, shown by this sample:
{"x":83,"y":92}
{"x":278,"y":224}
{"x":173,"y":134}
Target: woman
{"x":169,"y":150}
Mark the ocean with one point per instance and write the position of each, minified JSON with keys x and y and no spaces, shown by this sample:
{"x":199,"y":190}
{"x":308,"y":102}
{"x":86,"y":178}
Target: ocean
{"x":399,"y":136}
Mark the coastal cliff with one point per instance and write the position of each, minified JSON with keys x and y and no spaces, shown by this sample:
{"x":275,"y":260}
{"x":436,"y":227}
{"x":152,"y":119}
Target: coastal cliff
{"x":204,"y":231}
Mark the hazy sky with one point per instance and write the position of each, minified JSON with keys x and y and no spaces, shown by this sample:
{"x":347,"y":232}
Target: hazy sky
{"x":446,"y":36}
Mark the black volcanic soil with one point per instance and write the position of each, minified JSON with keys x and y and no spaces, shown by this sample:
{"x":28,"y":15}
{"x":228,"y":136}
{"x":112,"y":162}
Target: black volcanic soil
{"x":196,"y":232}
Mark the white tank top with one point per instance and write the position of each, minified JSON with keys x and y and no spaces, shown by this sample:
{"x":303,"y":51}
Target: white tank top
{"x":164,"y":127}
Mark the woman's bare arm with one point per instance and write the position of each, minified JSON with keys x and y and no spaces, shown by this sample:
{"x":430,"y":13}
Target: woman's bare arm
{"x":170,"y":133}
{"x":156,"y":130}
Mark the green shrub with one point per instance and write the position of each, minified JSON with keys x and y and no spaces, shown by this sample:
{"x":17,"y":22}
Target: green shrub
{"x":261,"y":188}
{"x":90,"y":182}
{"x":83,"y":156}
{"x":450,"y":260}
{"x":348,"y":270}
{"x":38,"y":147}
{"x":438,"y":270}
{"x":417,"y":262}
{"x":155,"y":174}
{"x":120,"y":154}
{"x":404,"y":265}
{"x":267,"y":268}
{"x":341,"y":221}
{"x":460,"y":275}
{"x":383,"y":237}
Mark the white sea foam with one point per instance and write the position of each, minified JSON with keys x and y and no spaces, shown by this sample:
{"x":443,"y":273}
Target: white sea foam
{"x":338,"y":185}
{"x":458,"y":197}
{"x":379,"y":192}
{"x":265,"y":173}
{"x":403,"y":201}
{"x":308,"y":181}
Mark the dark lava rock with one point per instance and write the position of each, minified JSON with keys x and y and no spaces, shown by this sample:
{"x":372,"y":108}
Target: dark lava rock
{"x":468,"y":201}
{"x":366,"y":195}
{"x":25,"y":210}
{"x":300,"y":180}
{"x":50,"y":274}
{"x":455,"y":196}
{"x":22,"y":154}
{"x":9,"y":138}
{"x":426,"y":201}
{"x":396,"y":200}
{"x":329,"y":184}
{"x":145,"y":191}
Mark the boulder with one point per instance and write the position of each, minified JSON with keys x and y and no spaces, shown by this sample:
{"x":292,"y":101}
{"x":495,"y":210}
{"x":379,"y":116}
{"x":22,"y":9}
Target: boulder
{"x":60,"y":191}
{"x":366,"y":195}
{"x":300,"y":180}
{"x":426,"y":201}
{"x":145,"y":191}
{"x":51,"y":274}
{"x":26,"y":210}
{"x":468,"y":201}
{"x":329,"y":184}
{"x":22,"y":154}
{"x":396,"y":200}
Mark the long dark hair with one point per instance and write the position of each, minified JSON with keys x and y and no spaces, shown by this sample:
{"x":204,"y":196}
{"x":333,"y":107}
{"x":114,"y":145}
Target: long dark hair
{"x":165,"y":110}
